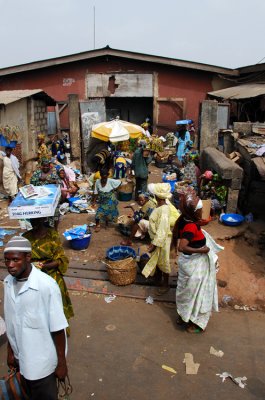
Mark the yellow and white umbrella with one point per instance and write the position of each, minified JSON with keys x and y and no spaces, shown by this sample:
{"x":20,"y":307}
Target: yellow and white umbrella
{"x":116,"y":131}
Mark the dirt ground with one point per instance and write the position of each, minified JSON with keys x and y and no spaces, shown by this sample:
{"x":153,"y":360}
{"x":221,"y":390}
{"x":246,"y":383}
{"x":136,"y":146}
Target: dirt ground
{"x":116,"y":352}
{"x":241,"y":274}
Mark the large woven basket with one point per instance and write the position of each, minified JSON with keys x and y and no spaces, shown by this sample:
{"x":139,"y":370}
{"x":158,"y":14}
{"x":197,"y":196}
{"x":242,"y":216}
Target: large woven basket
{"x":122,"y":272}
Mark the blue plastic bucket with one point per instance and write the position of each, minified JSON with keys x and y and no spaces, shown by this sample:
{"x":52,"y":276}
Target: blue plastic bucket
{"x":172,"y":183}
{"x":124,"y":196}
{"x":80,"y":244}
{"x":71,"y":200}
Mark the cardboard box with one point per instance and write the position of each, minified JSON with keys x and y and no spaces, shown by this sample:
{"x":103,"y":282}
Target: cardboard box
{"x":206,"y":209}
{"x":22,"y":208}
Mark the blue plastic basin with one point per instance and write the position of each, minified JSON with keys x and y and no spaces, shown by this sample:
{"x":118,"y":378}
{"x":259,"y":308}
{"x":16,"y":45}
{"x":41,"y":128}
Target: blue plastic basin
{"x":237,"y":219}
{"x":80,"y":244}
{"x":120,"y":253}
{"x":71,"y":200}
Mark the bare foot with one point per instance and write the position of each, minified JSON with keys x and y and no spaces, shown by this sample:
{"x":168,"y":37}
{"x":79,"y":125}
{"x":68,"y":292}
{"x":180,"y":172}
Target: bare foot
{"x":162,"y":290}
{"x":97,"y":228}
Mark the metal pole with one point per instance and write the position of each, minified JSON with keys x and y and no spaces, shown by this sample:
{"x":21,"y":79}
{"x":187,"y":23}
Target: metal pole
{"x":94,"y":27}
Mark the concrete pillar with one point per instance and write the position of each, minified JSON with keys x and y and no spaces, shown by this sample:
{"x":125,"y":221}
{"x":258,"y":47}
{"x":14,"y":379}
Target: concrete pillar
{"x":74,"y":124}
{"x":232,"y":200}
{"x":209,"y":124}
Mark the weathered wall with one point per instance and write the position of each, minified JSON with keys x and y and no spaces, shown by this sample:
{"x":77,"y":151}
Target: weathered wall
{"x":40,"y":116}
{"x":209,"y":124}
{"x":61,"y":80}
{"x":16,"y":114}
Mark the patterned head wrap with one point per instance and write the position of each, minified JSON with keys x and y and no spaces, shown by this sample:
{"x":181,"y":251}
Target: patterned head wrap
{"x":190,"y":203}
{"x":45,"y":160}
{"x":41,"y":136}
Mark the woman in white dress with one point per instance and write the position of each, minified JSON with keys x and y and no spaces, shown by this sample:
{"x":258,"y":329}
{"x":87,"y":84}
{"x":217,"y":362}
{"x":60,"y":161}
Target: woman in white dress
{"x":11,"y":173}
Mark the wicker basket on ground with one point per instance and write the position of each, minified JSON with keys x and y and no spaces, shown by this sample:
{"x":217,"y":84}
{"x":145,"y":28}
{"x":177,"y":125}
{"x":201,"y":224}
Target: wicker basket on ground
{"x":122,"y":272}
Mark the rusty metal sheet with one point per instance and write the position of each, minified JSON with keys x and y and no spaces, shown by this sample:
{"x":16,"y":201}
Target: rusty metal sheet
{"x":240,"y":92}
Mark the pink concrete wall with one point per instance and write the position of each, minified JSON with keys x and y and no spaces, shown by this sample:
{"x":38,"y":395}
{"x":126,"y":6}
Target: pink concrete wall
{"x":59,"y":81}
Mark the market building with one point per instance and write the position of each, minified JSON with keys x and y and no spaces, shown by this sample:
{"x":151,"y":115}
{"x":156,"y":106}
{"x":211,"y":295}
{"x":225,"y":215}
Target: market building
{"x":108,"y":82}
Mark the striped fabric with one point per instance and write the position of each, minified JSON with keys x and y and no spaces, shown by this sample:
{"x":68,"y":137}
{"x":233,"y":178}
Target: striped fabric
{"x":11,"y":389}
{"x":18,"y":243}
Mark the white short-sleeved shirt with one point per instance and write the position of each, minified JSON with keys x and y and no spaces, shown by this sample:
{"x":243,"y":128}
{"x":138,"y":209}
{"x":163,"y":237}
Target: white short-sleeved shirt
{"x":30,"y":318}
{"x":111,"y":184}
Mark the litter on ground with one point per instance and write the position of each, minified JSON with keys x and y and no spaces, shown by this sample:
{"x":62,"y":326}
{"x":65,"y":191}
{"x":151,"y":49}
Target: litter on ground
{"x":109,"y":299}
{"x":149,"y":300}
{"x":240,"y":381}
{"x":191,"y":367}
{"x":217,"y":353}
{"x":169,"y":369}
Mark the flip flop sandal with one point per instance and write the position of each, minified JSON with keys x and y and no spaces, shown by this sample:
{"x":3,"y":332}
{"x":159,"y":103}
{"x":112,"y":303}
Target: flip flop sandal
{"x":193,"y":329}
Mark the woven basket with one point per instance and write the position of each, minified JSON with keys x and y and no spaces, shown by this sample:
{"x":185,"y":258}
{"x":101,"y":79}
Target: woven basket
{"x":128,"y":188}
{"x":122,"y":272}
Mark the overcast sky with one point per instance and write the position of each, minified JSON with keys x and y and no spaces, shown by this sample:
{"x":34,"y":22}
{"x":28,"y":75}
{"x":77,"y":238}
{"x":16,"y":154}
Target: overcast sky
{"x":227,"y":33}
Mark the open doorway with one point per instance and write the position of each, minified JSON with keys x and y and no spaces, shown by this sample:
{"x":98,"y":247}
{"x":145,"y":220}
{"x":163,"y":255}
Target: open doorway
{"x":132,"y":109}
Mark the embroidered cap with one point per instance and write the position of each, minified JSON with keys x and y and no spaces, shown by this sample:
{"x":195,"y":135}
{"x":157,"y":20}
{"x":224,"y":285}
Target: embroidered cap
{"x":18,"y":243}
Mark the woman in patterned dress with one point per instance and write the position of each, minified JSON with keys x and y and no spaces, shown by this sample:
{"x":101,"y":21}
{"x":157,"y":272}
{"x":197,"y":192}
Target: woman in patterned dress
{"x":196,"y":293}
{"x":104,"y":192}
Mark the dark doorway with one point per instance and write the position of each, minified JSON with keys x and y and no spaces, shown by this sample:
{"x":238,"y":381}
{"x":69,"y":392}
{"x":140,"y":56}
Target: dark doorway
{"x":132,"y":109}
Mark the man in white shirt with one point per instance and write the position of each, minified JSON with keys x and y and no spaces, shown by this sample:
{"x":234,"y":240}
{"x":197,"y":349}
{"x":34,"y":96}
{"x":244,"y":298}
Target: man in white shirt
{"x":35,"y":323}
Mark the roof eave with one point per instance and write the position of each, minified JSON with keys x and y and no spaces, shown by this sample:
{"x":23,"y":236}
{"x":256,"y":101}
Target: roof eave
{"x":116,"y":53}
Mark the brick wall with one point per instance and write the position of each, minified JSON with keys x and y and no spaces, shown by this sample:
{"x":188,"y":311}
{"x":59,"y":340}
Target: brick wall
{"x":40,"y":117}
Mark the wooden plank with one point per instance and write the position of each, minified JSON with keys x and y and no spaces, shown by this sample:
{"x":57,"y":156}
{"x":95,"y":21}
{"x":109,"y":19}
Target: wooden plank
{"x":130,"y":291}
{"x":171,"y":99}
{"x":74,"y":124}
{"x":63,"y":108}
{"x":155,"y":102}
{"x":57,"y":115}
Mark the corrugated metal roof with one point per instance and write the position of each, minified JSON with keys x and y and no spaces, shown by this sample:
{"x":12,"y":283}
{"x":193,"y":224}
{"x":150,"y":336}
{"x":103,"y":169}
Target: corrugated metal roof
{"x":240,"y":92}
{"x":107,"y":51}
{"x":10,"y":96}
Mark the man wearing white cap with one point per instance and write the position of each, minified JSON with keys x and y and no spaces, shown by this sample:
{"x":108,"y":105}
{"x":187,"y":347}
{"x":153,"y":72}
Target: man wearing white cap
{"x":35,"y":323}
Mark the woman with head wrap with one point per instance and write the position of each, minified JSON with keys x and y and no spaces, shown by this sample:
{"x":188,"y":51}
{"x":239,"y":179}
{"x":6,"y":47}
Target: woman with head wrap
{"x":48,"y":255}
{"x":11,"y":173}
{"x":43,"y":151}
{"x":196,"y":293}
{"x":107,"y":202}
{"x":140,"y":225}
{"x":160,"y":234}
{"x":183,"y":137}
{"x":68,"y":188}
{"x":44,"y":175}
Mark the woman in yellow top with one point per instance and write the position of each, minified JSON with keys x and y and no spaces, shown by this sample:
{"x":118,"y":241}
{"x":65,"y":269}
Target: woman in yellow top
{"x":160,"y":234}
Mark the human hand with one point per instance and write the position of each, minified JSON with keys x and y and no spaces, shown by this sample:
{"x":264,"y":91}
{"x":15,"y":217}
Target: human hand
{"x":11,"y":361}
{"x":205,"y":249}
{"x":61,"y":370}
{"x":151,"y":248}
